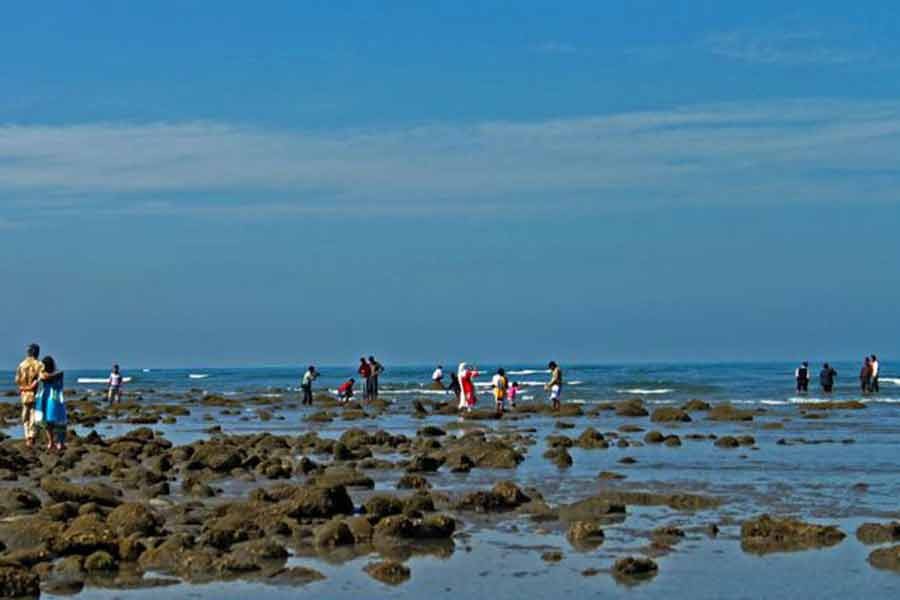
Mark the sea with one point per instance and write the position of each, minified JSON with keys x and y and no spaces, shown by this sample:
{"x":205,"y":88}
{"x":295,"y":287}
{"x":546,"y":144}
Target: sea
{"x":843,"y":469}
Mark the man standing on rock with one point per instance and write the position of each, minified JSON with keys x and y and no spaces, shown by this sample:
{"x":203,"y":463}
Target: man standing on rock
{"x":377,"y":370}
{"x":555,"y":384}
{"x":27,"y":376}
{"x":306,"y":385}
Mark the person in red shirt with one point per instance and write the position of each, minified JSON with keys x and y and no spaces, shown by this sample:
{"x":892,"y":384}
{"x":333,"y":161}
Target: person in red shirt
{"x":345,"y":390}
{"x":365,"y":372}
{"x":466,"y":376}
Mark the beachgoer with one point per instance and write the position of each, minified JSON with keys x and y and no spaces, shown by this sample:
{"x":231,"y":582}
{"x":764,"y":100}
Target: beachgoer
{"x":308,"y":378}
{"x":873,"y":382}
{"x":365,"y":371}
{"x":437,"y":378}
{"x":467,"y":398}
{"x":555,"y":384}
{"x":377,"y":370}
{"x":115,"y":386}
{"x":500,"y":385}
{"x":801,"y":374}
{"x":345,"y":390}
{"x":865,"y":375}
{"x":455,"y":387}
{"x":50,"y":405}
{"x":27,"y":376}
{"x":826,"y":378}
{"x":512,"y":392}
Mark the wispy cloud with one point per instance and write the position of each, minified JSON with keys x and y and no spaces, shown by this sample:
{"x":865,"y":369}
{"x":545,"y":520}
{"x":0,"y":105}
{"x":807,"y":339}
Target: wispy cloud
{"x":555,"y":47}
{"x":802,"y":150}
{"x":787,"y":47}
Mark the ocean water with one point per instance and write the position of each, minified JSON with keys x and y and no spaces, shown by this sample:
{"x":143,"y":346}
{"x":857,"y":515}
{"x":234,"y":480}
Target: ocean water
{"x":843,"y":469}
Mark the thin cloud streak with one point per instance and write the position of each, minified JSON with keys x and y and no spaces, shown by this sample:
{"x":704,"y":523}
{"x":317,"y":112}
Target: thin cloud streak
{"x":802,"y":150}
{"x":785,"y":47}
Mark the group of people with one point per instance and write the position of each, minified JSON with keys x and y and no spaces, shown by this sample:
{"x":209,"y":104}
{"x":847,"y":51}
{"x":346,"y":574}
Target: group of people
{"x":40,"y":385}
{"x":369,"y":371}
{"x":868,"y":376}
{"x":462,"y":385}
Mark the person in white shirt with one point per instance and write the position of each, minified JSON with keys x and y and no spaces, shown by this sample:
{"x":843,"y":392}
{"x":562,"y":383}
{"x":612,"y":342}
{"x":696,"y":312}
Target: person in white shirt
{"x":500,"y":384}
{"x":115,"y":385}
{"x":873,"y":385}
{"x":437,"y":378}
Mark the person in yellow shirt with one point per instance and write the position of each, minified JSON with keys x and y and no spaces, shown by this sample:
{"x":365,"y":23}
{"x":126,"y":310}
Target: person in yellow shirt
{"x":27,"y":376}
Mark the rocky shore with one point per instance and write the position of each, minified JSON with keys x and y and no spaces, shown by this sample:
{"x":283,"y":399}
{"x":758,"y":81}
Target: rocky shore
{"x":137,"y":510}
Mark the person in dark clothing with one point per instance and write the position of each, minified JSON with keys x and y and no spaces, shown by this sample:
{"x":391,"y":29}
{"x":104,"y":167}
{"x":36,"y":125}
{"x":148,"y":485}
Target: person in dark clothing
{"x":865,"y":376}
{"x":802,"y":377}
{"x":455,"y":386}
{"x":826,"y":378}
{"x":377,"y":369}
{"x":306,"y":385}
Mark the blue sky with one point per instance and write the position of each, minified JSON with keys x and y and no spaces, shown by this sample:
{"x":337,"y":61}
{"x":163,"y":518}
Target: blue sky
{"x":201,"y":184}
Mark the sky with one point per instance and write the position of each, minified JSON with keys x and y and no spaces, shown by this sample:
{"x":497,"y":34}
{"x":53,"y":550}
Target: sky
{"x":236,"y":184}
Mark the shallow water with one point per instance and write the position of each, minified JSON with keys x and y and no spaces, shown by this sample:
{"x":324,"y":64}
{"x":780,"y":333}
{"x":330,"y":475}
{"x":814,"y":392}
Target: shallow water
{"x":812,"y":481}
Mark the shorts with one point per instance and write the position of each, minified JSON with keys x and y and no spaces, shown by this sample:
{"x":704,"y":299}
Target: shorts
{"x":555,"y":392}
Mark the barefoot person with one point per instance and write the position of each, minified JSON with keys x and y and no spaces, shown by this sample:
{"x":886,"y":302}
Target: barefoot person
{"x":27,"y":377}
{"x":50,"y":405}
{"x":365,"y":372}
{"x":467,"y":398}
{"x":512,"y":392}
{"x":555,"y":384}
{"x":455,"y":388}
{"x":499,"y":383}
{"x":306,"y":385}
{"x":115,"y":385}
{"x":345,"y":390}
{"x":377,"y":370}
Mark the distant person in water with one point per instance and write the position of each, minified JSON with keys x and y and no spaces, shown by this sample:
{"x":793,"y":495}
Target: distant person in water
{"x":801,"y":375}
{"x":377,"y":370}
{"x":345,"y":390}
{"x":826,"y":378}
{"x":499,"y":383}
{"x":467,"y":376}
{"x":873,"y":382}
{"x":555,"y":384}
{"x":437,"y":378}
{"x":365,"y":372}
{"x":115,"y":385}
{"x":865,"y":375}
{"x":50,"y":405}
{"x":27,"y":377}
{"x":511,"y":393}
{"x":306,"y":385}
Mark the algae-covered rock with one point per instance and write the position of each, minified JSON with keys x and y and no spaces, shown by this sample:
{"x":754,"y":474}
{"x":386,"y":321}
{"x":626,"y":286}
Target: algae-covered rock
{"x":886,"y":558}
{"x":389,"y":572}
{"x":766,"y":534}
{"x":670,"y":414}
{"x":878,"y":533}
{"x":634,"y":568}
